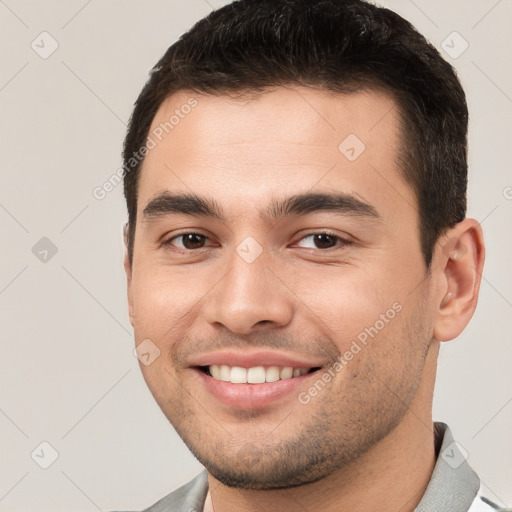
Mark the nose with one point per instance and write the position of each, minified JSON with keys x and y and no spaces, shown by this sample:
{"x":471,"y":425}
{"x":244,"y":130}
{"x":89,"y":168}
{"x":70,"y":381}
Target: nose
{"x":249,"y":296}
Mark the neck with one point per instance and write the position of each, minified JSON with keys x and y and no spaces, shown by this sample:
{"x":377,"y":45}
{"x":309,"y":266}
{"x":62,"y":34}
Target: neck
{"x":393,"y":474}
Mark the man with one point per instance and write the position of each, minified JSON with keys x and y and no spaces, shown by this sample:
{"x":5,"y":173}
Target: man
{"x":297,"y":250}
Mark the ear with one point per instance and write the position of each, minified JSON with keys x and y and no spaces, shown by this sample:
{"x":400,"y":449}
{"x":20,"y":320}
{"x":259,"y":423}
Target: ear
{"x":459,"y":260}
{"x":128,"y":271}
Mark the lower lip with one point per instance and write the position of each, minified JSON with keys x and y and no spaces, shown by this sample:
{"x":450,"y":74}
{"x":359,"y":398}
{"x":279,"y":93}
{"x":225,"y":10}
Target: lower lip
{"x":251,"y":396}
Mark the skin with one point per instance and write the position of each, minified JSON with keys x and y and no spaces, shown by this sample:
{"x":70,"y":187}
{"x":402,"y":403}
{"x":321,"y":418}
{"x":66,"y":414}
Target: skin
{"x":367,"y":437}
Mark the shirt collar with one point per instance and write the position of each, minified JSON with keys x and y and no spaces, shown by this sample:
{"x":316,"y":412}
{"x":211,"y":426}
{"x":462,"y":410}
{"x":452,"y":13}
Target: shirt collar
{"x":453,"y":485}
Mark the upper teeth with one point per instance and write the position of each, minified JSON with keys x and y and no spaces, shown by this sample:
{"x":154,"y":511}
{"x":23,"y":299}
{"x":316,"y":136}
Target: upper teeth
{"x":255,"y":375}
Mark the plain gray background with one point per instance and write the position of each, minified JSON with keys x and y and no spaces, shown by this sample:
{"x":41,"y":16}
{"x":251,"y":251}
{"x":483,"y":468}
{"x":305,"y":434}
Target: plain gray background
{"x":68,"y":376}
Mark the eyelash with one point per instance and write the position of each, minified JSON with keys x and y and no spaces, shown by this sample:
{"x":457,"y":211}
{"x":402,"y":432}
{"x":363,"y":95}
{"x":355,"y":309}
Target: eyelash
{"x":341,"y":241}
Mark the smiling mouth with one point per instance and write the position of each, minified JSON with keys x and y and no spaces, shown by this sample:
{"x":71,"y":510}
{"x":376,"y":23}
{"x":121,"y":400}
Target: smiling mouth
{"x":254,"y":375}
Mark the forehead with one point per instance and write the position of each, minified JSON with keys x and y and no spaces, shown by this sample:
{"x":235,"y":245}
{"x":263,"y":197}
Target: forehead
{"x":286,"y":139}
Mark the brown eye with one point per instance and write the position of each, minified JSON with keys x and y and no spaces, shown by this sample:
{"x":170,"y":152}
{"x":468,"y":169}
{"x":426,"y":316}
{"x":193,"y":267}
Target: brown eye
{"x":189,"y":241}
{"x":323,"y":241}
{"x":193,"y":241}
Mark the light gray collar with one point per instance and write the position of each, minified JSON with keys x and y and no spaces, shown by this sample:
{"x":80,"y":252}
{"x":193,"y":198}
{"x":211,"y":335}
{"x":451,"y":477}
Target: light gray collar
{"x":453,"y":485}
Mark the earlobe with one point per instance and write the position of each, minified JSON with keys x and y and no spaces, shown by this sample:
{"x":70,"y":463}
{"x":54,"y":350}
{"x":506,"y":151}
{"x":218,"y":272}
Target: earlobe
{"x":459,"y":259}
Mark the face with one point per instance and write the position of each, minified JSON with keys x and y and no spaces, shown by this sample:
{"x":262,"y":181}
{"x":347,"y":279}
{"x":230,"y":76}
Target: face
{"x":276,"y":239}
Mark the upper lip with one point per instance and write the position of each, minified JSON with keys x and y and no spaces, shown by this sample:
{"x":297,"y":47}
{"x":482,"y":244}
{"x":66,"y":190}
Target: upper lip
{"x":248,"y":359}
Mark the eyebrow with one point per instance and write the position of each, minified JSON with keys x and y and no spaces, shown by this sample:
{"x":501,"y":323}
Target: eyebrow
{"x":299,"y":204}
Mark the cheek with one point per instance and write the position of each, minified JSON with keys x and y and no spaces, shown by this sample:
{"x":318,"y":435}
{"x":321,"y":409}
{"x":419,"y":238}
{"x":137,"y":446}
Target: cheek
{"x":342,"y":302}
{"x":163,"y":300}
